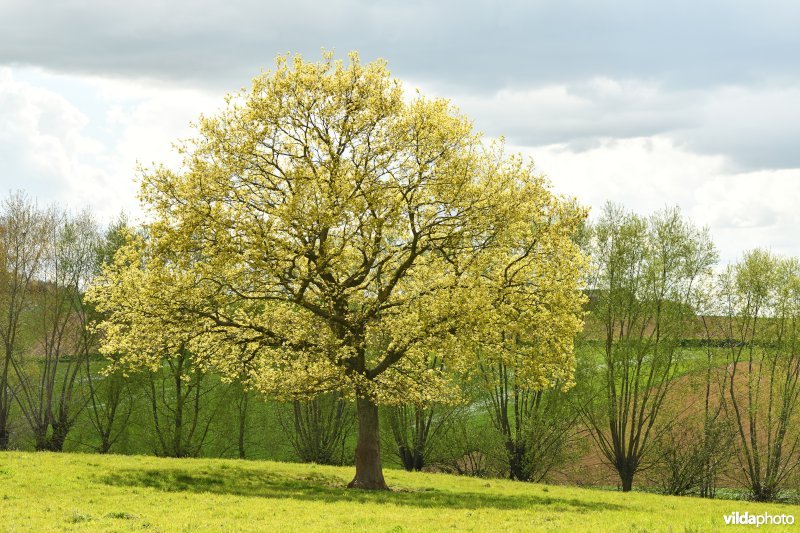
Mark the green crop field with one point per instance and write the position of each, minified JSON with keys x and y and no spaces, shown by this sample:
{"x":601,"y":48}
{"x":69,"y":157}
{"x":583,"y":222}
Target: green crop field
{"x":84,"y":492}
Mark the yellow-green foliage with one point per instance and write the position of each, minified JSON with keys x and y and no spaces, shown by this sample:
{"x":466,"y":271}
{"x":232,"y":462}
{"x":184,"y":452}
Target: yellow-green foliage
{"x":82,"y":492}
{"x":327,"y":233}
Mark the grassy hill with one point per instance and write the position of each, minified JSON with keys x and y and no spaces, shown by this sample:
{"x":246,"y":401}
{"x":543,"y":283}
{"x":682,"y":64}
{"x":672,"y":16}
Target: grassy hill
{"x":83,"y":492}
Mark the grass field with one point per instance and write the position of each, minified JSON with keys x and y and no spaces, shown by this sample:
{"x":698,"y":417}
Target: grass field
{"x":83,"y":492}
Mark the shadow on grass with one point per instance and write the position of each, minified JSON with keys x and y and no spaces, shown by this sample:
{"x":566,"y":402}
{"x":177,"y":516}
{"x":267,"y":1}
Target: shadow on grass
{"x":324,"y":488}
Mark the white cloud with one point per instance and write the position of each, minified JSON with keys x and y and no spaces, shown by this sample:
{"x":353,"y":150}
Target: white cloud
{"x":50,"y":147}
{"x":151,"y":118}
{"x":44,"y":149}
{"x":743,"y":210}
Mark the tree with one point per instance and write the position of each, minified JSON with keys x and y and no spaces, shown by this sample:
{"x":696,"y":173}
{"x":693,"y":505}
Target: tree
{"x":177,"y":397}
{"x":760,"y":305}
{"x":716,"y":443}
{"x":242,"y":397}
{"x":110,"y":405}
{"x":318,"y":428}
{"x":416,"y":429}
{"x":326,"y":234}
{"x":690,"y":453}
{"x":644,"y":291}
{"x":23,"y":240}
{"x":48,"y":393}
{"x":413,"y":433}
{"x":110,"y":402}
{"x":533,"y":423}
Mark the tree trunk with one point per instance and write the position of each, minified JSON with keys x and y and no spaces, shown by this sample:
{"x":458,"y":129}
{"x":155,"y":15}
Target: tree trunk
{"x":5,"y":398}
{"x":105,"y":444}
{"x":369,"y":473}
{"x":5,"y":434}
{"x":59,"y":436}
{"x":764,"y":492}
{"x":41,"y":442}
{"x":242,"y":422}
{"x":626,"y":476}
{"x":518,"y":461}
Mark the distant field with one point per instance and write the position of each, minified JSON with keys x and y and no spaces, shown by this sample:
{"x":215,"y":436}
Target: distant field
{"x":83,"y":492}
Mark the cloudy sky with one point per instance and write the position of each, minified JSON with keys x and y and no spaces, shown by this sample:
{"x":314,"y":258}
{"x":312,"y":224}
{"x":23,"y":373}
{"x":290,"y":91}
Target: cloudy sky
{"x":649,"y":104}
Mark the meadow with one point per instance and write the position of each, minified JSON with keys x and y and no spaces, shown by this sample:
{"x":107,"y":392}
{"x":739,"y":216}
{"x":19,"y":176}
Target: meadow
{"x":86,"y":492}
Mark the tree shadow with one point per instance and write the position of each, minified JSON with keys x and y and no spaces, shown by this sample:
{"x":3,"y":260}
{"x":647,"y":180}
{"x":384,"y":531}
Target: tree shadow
{"x":321,"y":487}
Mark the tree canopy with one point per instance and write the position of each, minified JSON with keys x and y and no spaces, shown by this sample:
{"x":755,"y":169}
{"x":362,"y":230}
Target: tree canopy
{"x":329,"y":232}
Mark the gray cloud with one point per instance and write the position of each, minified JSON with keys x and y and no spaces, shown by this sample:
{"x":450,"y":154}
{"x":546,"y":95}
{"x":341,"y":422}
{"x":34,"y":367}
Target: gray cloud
{"x":720,"y":77}
{"x":754,"y":126}
{"x":580,"y":113}
{"x":757,"y":127}
{"x":482,"y":45}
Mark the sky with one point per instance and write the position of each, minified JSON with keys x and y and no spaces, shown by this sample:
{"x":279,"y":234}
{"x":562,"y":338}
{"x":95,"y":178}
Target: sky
{"x":647,"y":104}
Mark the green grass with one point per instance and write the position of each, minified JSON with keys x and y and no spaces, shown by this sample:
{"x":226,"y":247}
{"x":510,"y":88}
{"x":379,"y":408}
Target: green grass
{"x":83,"y":492}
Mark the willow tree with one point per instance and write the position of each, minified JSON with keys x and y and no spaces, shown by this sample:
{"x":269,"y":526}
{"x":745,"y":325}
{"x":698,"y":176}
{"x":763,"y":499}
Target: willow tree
{"x":759,"y":299}
{"x":24,"y":230}
{"x":645,"y":290}
{"x":327,"y":232}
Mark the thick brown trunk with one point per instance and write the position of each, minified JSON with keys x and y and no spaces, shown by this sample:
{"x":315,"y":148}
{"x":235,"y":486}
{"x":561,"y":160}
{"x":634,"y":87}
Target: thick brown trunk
{"x":369,"y":473}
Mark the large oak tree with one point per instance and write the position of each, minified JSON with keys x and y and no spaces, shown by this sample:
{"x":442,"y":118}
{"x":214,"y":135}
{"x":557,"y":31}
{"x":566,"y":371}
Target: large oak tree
{"x":327,"y":232}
